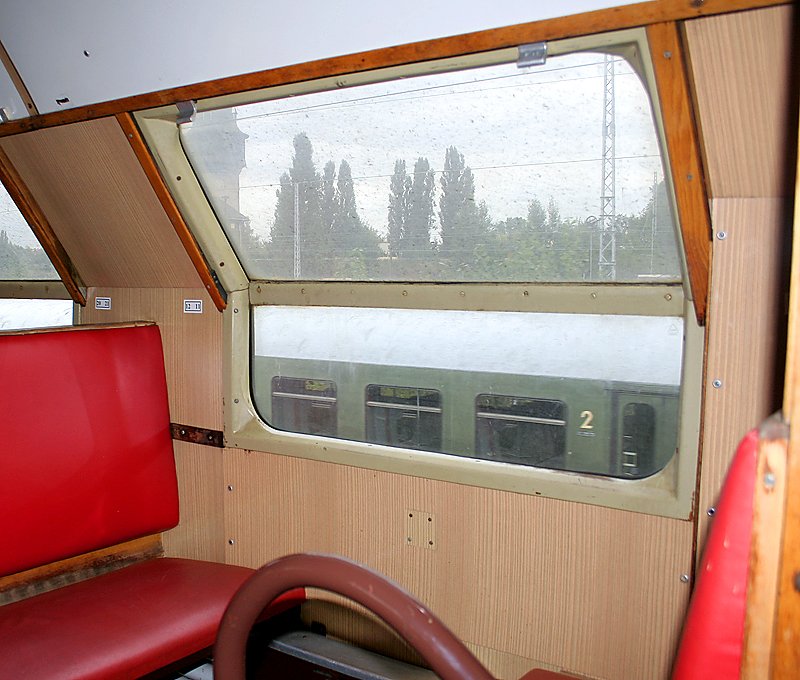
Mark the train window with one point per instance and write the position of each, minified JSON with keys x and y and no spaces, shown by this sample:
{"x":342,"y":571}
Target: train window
{"x":410,"y":417}
{"x":304,"y":405}
{"x":16,"y":314}
{"x":21,"y":256}
{"x":521,"y":430}
{"x":488,"y":239}
{"x":482,"y":174}
{"x":638,"y":439}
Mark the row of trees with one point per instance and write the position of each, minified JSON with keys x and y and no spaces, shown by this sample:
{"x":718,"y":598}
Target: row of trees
{"x":318,"y":233}
{"x":19,"y":262}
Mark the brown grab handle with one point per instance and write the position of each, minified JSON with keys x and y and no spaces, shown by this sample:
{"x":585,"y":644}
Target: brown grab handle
{"x":443,"y":651}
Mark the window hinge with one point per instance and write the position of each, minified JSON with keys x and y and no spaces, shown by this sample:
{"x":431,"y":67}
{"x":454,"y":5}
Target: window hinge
{"x":533,"y":54}
{"x":186,"y":112}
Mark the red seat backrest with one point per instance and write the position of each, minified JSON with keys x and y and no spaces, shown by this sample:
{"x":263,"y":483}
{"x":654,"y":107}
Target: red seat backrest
{"x":86,"y":459}
{"x":713,"y":633}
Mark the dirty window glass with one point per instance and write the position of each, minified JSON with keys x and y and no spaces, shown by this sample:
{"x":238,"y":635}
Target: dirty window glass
{"x":550,"y":173}
{"x":21,"y":256}
{"x":586,"y":393}
{"x":17,"y":314}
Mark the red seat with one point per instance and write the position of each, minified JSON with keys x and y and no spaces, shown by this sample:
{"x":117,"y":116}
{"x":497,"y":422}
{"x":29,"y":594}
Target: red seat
{"x":87,"y":463}
{"x":119,"y":625}
{"x":713,"y":633}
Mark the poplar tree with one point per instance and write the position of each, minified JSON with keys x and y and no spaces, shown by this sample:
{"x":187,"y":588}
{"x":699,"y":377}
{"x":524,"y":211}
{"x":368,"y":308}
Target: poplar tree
{"x":399,"y":189}
{"x":415,"y":242}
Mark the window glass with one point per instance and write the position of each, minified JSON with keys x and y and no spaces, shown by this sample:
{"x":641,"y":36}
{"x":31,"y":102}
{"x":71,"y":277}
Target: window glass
{"x":21,"y":256}
{"x":521,"y":430}
{"x":404,"y":416}
{"x":304,"y":405}
{"x":548,"y":390}
{"x":500,"y":173}
{"x":23,"y":313}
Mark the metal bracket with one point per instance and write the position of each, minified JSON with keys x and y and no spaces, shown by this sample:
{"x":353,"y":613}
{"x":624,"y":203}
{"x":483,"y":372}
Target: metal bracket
{"x":186,"y":112}
{"x":532,"y":54}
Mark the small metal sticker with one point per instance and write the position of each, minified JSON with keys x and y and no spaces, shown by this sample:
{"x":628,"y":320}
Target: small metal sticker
{"x":192,"y":306}
{"x":102,"y":303}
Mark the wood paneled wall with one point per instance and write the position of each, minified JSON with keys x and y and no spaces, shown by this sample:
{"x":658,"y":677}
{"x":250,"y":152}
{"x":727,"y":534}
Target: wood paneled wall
{"x":594,"y":590}
{"x":94,"y":193}
{"x":740,"y":68}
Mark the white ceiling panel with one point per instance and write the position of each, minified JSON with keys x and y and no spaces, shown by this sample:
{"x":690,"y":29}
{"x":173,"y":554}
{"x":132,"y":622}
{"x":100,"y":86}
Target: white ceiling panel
{"x":87,"y":51}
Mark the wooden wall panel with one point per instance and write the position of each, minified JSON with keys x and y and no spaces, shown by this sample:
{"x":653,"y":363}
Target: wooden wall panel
{"x":740,"y":65}
{"x":595,"y":590}
{"x":89,"y":184}
{"x":743,"y":344}
{"x":201,"y":532}
{"x":192,"y":345}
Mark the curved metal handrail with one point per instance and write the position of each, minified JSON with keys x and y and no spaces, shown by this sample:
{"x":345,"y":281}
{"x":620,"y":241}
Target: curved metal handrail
{"x":443,"y":651}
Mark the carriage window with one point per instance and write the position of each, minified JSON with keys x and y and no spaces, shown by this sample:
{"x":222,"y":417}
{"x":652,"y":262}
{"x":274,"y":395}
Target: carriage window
{"x":16,"y":314}
{"x":521,"y":430}
{"x":638,"y":439}
{"x":21,"y":256}
{"x":499,"y":173}
{"x":478,"y":255}
{"x":533,"y":389}
{"x":404,"y":416}
{"x":304,"y":405}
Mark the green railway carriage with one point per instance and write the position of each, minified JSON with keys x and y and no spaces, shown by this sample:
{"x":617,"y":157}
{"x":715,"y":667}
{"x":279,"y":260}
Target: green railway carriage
{"x":584,"y":393}
{"x":603,"y":427}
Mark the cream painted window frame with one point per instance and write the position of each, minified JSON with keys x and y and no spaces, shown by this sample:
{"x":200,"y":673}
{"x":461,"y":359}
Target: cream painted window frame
{"x":669,"y":493}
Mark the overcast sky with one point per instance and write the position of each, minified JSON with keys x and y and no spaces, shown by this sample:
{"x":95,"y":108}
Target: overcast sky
{"x":526,"y":133}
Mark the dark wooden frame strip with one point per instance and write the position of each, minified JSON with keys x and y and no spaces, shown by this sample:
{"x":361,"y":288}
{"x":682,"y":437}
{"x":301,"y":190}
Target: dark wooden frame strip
{"x":686,"y":164}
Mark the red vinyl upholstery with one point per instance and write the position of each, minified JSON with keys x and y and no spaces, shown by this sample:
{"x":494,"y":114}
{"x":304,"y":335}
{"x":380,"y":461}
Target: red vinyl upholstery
{"x":713,"y":633}
{"x":87,"y":454}
{"x":119,"y":625}
{"x":87,"y":463}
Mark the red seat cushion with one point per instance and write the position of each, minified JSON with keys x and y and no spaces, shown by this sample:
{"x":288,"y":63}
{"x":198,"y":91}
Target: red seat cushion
{"x":86,"y":457}
{"x":120,"y":625}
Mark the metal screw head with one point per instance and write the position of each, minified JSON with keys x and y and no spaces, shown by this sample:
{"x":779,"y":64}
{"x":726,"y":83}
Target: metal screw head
{"x":684,"y":578}
{"x":717,"y":383}
{"x":667,"y":55}
{"x":769,"y":480}
{"x":230,"y":487}
{"x":711,"y":511}
{"x":231,"y":541}
{"x":722,"y":235}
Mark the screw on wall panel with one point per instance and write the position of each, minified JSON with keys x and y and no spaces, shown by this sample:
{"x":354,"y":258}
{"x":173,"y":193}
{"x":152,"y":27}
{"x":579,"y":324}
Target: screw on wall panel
{"x":667,"y":55}
{"x":684,"y":578}
{"x":722,"y":235}
{"x":697,"y":3}
{"x":769,"y":480}
{"x":231,"y":541}
{"x":235,"y":401}
{"x":717,"y":383}
{"x":690,"y":177}
{"x":711,"y":511}
{"x":183,"y":433}
{"x":230,"y":487}
{"x":668,"y":297}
